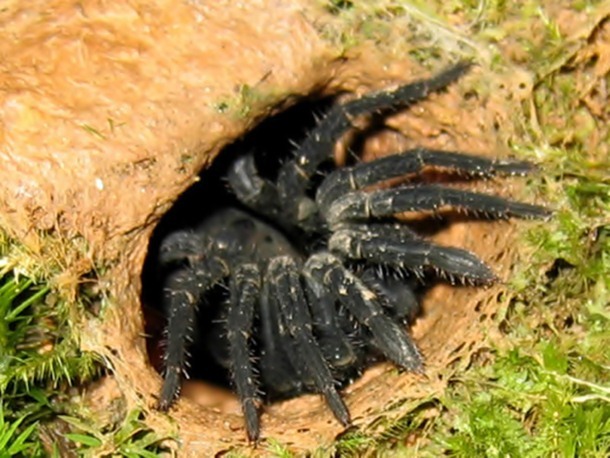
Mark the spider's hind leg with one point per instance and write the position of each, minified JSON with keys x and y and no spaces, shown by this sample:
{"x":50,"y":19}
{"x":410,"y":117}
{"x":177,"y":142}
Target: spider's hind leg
{"x":344,"y":180}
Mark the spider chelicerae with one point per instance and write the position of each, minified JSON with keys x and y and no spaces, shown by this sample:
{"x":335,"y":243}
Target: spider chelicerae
{"x":317,"y":270}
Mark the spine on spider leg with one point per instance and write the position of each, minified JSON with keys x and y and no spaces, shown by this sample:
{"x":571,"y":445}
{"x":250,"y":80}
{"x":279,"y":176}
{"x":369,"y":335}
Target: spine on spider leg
{"x":407,"y":94}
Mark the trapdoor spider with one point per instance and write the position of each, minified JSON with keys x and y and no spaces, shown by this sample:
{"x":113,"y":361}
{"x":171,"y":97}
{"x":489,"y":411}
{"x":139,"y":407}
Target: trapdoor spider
{"x":315,"y":270}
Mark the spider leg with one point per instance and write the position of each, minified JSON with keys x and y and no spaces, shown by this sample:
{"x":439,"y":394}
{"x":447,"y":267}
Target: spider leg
{"x":244,"y":291}
{"x":251,"y":189}
{"x":288,"y":288}
{"x":295,"y":175}
{"x":362,"y":205}
{"x":397,"y":292}
{"x":181,"y":292}
{"x":179,"y":246}
{"x":331,"y":339}
{"x":390,"y":337}
{"x":391,"y":244}
{"x":279,"y":375}
{"x":342,"y":181}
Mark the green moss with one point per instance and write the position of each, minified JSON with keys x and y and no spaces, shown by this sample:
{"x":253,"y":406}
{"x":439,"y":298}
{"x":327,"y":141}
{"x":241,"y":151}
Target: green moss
{"x":246,"y":100}
{"x":36,"y":358}
{"x":39,"y":361}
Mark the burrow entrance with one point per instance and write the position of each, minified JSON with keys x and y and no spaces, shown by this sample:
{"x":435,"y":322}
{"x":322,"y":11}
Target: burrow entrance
{"x":446,"y":330}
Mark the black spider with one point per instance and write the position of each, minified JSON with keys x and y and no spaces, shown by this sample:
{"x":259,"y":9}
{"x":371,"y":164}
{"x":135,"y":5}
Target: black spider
{"x":315,"y":273}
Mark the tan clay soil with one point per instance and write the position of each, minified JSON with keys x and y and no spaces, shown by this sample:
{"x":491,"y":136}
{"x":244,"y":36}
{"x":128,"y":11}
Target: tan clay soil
{"x":109,"y":110}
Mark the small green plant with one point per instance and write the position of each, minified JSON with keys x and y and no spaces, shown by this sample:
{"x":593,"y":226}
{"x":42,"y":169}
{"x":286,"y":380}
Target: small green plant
{"x":24,"y":364}
{"x":278,"y":450}
{"x":39,"y":361}
{"x":16,"y":440}
{"x":131,"y":438}
{"x":36,"y":346}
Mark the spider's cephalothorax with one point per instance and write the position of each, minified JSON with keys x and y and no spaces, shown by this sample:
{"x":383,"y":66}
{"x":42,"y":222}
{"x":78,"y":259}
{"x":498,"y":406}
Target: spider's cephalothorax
{"x":306,"y":316}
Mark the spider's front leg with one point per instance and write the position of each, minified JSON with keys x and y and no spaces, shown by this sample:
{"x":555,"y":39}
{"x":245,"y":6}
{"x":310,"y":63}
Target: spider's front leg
{"x":277,"y":371}
{"x":389,"y":336}
{"x":245,"y":288}
{"x":331,"y":338}
{"x":188,"y":274}
{"x":284,"y":277}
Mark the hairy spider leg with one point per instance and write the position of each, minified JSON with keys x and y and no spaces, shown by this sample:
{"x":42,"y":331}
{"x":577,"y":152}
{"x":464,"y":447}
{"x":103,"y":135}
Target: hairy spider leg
{"x":181,"y":291}
{"x":318,"y":147}
{"x":251,"y":189}
{"x":342,"y":181}
{"x":295,"y":175}
{"x":383,"y":247}
{"x":281,"y":378}
{"x":390,"y":337}
{"x":286,"y":285}
{"x":245,"y":287}
{"x":331,"y":338}
{"x":396,"y":293}
{"x":362,"y":205}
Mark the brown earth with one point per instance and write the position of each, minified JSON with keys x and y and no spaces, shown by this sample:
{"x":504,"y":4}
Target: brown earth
{"x":108,"y":112}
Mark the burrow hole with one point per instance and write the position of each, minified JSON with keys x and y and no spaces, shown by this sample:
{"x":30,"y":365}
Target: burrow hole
{"x":273,"y":141}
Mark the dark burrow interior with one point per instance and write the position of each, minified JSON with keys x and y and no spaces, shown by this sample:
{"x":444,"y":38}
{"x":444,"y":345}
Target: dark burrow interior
{"x":272,"y":140}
